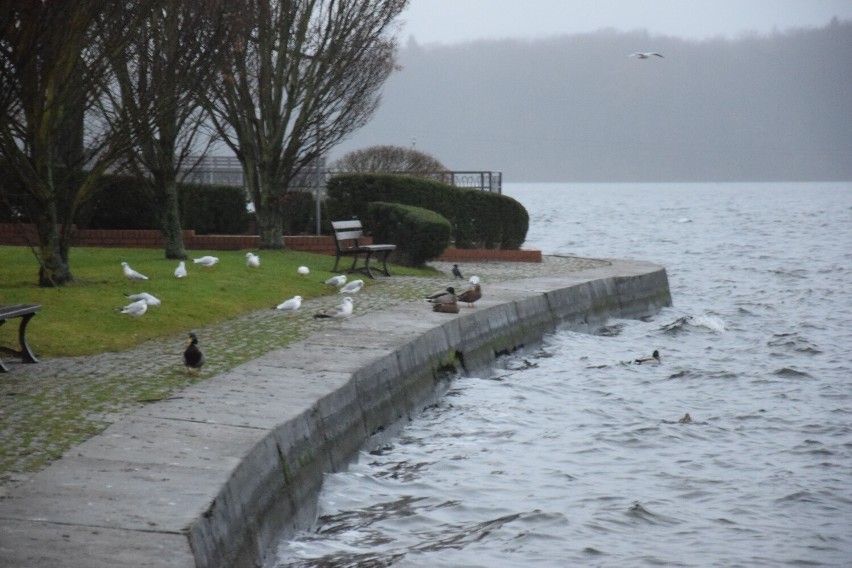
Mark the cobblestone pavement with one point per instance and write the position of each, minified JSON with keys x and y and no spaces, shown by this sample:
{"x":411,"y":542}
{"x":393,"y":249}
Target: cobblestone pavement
{"x":48,"y":407}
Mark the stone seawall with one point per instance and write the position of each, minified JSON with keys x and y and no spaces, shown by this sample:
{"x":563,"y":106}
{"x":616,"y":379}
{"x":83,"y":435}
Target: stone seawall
{"x":213,"y":476}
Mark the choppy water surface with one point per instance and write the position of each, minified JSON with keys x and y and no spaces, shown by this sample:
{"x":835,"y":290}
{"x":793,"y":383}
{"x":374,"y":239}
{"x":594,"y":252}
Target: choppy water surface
{"x":570,"y":455}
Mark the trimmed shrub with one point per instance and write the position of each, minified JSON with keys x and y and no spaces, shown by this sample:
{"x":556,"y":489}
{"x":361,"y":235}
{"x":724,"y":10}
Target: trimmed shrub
{"x":213,"y":209}
{"x":477,"y":218}
{"x":299,"y":210}
{"x":420,"y":235}
{"x":121,"y":202}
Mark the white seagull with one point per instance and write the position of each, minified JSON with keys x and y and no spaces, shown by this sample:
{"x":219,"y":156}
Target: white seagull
{"x":341,"y":312}
{"x":180,"y":271}
{"x":304,"y":270}
{"x":134,"y":309}
{"x":474,"y":280}
{"x":290,"y":305}
{"x":252,"y":260}
{"x":131,"y":274}
{"x":149,"y":299}
{"x":207,"y":261}
{"x":645,"y":55}
{"x":352,"y":287}
{"x":336,"y":281}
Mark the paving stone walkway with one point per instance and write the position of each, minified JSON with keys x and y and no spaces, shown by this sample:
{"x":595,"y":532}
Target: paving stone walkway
{"x":47,"y":408}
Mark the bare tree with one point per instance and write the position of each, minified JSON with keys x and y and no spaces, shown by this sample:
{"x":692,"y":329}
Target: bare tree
{"x":394,"y":159}
{"x":160,"y":74}
{"x":302,"y":75}
{"x":52,"y":68}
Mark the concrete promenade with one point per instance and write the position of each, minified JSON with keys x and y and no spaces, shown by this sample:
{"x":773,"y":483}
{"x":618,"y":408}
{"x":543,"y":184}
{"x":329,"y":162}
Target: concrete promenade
{"x":213,"y":474}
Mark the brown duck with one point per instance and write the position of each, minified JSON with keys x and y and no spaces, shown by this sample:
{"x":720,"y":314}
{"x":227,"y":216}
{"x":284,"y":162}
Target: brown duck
{"x":471,"y":295}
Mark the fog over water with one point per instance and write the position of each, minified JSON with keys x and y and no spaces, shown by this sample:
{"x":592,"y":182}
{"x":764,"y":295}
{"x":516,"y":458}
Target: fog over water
{"x":774,"y":107}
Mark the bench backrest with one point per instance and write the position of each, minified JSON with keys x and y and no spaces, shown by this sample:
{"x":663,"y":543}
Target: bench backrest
{"x":347,"y":231}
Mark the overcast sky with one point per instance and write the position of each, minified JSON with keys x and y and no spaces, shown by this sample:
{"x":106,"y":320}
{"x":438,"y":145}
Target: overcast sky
{"x":455,"y":21}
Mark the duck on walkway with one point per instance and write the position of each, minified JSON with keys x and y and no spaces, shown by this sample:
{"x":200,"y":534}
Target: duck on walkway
{"x":446,"y":296}
{"x":193,"y":356}
{"x":471,"y":295}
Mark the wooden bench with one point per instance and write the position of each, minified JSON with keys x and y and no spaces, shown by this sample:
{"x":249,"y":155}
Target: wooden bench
{"x":347,"y":241}
{"x":26,"y":313}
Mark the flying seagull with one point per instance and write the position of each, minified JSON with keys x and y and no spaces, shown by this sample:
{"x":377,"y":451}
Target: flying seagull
{"x":290,"y":305}
{"x":131,"y":274}
{"x":193,"y":357}
{"x":135,"y":309}
{"x":149,"y":299}
{"x":645,"y":55}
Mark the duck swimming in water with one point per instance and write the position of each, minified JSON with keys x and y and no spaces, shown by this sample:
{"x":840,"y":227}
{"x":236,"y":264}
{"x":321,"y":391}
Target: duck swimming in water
{"x":654,"y":359}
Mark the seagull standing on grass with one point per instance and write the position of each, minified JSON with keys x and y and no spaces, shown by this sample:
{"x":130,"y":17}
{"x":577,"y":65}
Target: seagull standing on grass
{"x":135,"y":309}
{"x":304,"y":270}
{"x":180,"y":271}
{"x":336,"y":281}
{"x":149,"y":299}
{"x":645,"y":55}
{"x":252,"y":260}
{"x":352,"y":287}
{"x":206,"y":261}
{"x":131,"y":274}
{"x":290,"y":305}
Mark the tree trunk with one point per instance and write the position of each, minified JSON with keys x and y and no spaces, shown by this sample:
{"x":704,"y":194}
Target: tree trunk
{"x":170,"y":221}
{"x":53,"y":260}
{"x":270,"y":225}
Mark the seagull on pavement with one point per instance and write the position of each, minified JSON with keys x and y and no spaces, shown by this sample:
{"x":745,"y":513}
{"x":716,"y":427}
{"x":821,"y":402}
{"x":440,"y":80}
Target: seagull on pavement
{"x":290,"y":305}
{"x":352,"y":287}
{"x":645,"y":55}
{"x":134,"y":309}
{"x":149,"y":299}
{"x":252,"y":260}
{"x":131,"y":274}
{"x":341,"y":312}
{"x":180,"y":271}
{"x":206,"y":261}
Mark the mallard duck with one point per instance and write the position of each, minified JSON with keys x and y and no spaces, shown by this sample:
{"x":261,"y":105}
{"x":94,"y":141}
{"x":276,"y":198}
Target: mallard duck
{"x":352,"y":287}
{"x":686,"y":419}
{"x":206,"y":261}
{"x":446,"y":308}
{"x":134,"y":309}
{"x":290,"y":305}
{"x":131,"y":274}
{"x":149,"y":299}
{"x":193,"y":356}
{"x":447,"y":296}
{"x":471,"y":295}
{"x":654,"y":359}
{"x":456,"y":272}
{"x":336,"y":281}
{"x":252,"y":260}
{"x":341,"y":312}
{"x":180,"y":271}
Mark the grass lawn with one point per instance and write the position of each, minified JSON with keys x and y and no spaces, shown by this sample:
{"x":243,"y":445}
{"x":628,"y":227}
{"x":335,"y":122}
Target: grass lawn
{"x":81,"y":318}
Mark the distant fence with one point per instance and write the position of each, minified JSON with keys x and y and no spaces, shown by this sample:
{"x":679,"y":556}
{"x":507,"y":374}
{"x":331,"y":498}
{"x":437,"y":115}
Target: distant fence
{"x":227,"y":170}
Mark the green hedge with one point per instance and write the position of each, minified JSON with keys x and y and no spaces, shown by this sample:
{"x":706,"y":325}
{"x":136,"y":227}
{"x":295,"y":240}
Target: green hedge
{"x":419,"y":234}
{"x":478,"y":219}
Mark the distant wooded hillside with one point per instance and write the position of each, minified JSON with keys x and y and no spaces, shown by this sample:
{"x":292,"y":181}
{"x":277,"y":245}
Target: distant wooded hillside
{"x":577,"y":108}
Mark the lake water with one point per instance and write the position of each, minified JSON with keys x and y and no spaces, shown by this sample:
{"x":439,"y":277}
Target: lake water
{"x":570,"y":455}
